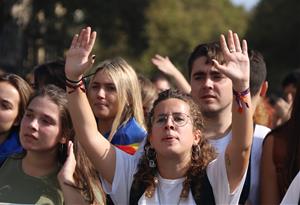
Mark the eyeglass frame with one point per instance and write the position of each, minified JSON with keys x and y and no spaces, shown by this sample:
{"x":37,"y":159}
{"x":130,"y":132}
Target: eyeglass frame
{"x":166,"y":116}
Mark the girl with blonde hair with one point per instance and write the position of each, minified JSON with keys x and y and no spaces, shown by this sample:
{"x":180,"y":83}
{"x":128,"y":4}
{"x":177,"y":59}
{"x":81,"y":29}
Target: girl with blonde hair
{"x":115,"y":98}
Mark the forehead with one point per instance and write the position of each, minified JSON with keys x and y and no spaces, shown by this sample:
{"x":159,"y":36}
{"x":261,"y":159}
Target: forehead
{"x":200,"y":65}
{"x":171,"y":105}
{"x":43,"y":105}
{"x":102,"y":77}
{"x":9,"y":92}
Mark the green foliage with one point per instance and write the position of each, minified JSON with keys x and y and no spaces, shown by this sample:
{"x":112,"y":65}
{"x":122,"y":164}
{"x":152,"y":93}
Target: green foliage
{"x":274,"y":30}
{"x":133,"y":29}
{"x":174,"y":28}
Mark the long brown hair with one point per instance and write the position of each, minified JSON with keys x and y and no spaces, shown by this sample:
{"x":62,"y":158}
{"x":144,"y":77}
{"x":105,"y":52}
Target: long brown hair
{"x":86,"y":177}
{"x":199,"y":158}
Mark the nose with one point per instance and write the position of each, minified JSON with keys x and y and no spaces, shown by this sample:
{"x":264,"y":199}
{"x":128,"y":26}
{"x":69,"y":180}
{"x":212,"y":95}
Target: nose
{"x":101,"y":93}
{"x":208,"y":83}
{"x":169,"y":123}
{"x":33,"y":124}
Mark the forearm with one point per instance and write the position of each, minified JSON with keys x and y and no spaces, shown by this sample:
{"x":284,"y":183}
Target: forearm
{"x":98,"y":149}
{"x":180,"y":82}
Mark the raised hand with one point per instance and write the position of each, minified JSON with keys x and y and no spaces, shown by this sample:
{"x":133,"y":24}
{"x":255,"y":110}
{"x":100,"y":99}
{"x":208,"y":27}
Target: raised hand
{"x":237,"y":64}
{"x":163,"y":64}
{"x":65,"y":174}
{"x":78,"y":58}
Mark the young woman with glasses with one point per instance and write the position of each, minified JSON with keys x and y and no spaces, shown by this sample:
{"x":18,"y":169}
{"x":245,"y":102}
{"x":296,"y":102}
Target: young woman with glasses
{"x":177,"y":163}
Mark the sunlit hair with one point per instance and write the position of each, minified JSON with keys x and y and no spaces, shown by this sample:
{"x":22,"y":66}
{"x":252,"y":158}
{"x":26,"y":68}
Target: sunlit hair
{"x":23,"y":89}
{"x":86,"y":177}
{"x":209,"y":50}
{"x":198,"y":162}
{"x":128,"y":92}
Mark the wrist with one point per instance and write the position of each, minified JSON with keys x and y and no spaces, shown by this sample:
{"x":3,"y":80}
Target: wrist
{"x":240,"y":87}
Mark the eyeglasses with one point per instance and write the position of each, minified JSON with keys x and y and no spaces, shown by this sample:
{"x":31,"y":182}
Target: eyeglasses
{"x":179,"y":119}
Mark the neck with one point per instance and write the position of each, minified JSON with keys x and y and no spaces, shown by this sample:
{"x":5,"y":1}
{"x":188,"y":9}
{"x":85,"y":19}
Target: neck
{"x":173,"y":167}
{"x":40,"y":164}
{"x":105,"y":125}
{"x":218,"y":125}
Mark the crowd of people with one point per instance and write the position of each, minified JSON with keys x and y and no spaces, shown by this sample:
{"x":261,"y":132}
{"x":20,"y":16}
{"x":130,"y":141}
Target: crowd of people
{"x":78,"y":132}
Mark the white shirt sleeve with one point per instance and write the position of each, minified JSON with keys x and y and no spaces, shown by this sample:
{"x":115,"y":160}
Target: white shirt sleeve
{"x":119,"y":190}
{"x":292,"y":195}
{"x":216,"y":172}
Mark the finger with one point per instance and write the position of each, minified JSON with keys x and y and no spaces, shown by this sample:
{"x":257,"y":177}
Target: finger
{"x":74,"y":41}
{"x":92,"y":40}
{"x":237,"y":42}
{"x":154,"y":61}
{"x":289,"y":98}
{"x":80,"y":38}
{"x":86,"y":37}
{"x":245,"y":47}
{"x":70,"y":147}
{"x":224,"y":47}
{"x":159,"y":57}
{"x":218,"y":66}
{"x":230,"y":42}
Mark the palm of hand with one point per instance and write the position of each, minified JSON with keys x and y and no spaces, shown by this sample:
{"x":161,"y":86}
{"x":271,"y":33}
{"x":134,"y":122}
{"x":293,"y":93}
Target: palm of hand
{"x":76,"y":60}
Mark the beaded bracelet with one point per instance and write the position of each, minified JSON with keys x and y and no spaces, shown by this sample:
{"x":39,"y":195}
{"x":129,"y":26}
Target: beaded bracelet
{"x":240,"y":98}
{"x":75,"y":86}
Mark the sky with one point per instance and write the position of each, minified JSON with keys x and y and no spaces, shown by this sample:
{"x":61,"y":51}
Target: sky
{"x":248,"y":4}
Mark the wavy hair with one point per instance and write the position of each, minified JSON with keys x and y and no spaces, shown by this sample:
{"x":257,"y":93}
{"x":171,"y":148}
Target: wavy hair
{"x":199,"y":159}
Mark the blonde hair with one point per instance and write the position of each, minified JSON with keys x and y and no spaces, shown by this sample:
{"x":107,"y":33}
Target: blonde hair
{"x":128,"y":92}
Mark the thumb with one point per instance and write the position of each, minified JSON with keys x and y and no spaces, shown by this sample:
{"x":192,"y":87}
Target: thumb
{"x":90,"y":61}
{"x":218,"y":66}
{"x":289,"y":98}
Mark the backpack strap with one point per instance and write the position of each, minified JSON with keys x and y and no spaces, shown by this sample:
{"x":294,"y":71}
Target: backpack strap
{"x":136,"y":192}
{"x":206,"y":195}
{"x":246,"y":188}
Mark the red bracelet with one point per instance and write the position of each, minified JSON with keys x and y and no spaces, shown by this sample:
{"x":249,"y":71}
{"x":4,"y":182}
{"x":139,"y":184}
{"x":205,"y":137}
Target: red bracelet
{"x":240,"y":98}
{"x":74,"y":87}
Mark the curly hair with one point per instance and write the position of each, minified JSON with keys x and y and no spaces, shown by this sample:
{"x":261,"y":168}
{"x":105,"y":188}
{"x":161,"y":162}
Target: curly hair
{"x":201,"y":154}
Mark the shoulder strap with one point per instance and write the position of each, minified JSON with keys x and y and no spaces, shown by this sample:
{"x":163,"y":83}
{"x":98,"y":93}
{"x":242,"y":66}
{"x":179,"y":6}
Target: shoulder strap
{"x":206,"y":195}
{"x":246,"y":188}
{"x":136,"y":193}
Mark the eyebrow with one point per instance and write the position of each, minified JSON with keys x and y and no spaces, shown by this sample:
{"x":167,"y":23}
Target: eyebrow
{"x":213,"y":72}
{"x":44,"y":115}
{"x":106,"y":84}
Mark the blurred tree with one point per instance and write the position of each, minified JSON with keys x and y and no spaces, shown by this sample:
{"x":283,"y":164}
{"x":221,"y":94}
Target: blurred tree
{"x":14,"y":17}
{"x":175,"y":27}
{"x":134,"y":29}
{"x":274,"y":31}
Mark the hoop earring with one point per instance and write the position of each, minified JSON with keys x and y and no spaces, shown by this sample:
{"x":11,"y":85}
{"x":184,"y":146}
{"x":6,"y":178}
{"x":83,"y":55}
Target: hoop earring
{"x":196,"y":152}
{"x":151,"y":156}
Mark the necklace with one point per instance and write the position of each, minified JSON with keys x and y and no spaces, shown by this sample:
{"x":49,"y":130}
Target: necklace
{"x":158,"y":194}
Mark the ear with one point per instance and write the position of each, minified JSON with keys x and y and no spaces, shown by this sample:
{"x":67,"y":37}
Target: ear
{"x":264,"y":88}
{"x":150,"y":139}
{"x":197,"y":136}
{"x":63,"y":140}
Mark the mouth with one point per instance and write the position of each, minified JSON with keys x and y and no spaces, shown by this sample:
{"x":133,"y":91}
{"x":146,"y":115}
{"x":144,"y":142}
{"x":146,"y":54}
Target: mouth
{"x":101,"y":104}
{"x":169,"y":138}
{"x":30,"y":136}
{"x":207,"y":96}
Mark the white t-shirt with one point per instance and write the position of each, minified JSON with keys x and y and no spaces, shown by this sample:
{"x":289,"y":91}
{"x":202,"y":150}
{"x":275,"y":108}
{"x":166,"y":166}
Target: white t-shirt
{"x":292,"y":196}
{"x":260,"y":132}
{"x":168,"y":191}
